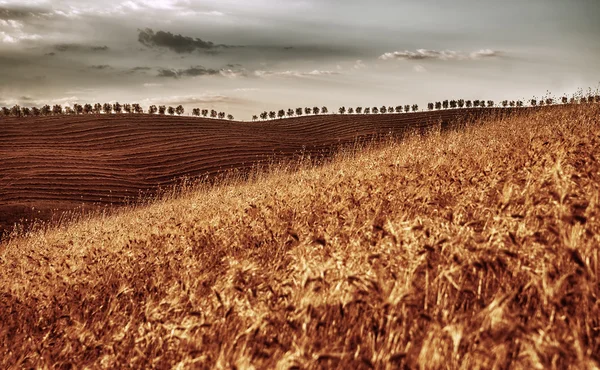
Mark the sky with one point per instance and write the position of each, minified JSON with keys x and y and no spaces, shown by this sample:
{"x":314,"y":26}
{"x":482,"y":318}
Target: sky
{"x":247,"y":56}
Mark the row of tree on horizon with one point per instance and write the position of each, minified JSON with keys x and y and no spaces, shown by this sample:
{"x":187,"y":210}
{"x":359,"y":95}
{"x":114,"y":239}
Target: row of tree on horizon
{"x":460,"y":103}
{"x":117,"y":108}
{"x":107,"y":108}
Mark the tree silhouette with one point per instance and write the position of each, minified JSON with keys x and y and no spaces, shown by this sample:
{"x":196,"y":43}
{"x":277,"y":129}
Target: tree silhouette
{"x":469,"y":104}
{"x":307,"y":111}
{"x":117,"y":107}
{"x":533,"y":102}
{"x":375,"y":110}
{"x":476,"y":103}
{"x":438,"y":105}
{"x":415,"y":107}
{"x":316,"y":110}
{"x":127,"y":108}
{"x":512,"y":103}
{"x":490,"y":103}
{"x":214,"y":113}
{"x":15,"y":111}
{"x":107,"y":108}
{"x":367,"y":110}
{"x":57,"y":109}
{"x":254,"y":118}
{"x":324,"y":110}
{"x":390,"y":109}
{"x":565,"y":100}
{"x":153,"y":109}
{"x":407,"y":108}
{"x":461,"y":103}
{"x":171,"y":110}
{"x":519,"y":103}
{"x":383,"y":109}
{"x":88,"y":108}
{"x":281,"y":114}
{"x":359,"y":110}
{"x":550,"y":101}
{"x":298,"y":111}
{"x":445,"y":104}
{"x":430,"y":106}
{"x":453,"y":104}
{"x":69,"y":110}
{"x":36,"y":111}
{"x":264,"y":115}
{"x":162,"y":109}
{"x":137,"y":108}
{"x":196,"y":112}
{"x":290,"y":112}
{"x":25,"y":112}
{"x":350,"y":110}
{"x":5,"y":111}
{"x":504,"y":103}
{"x":230,"y":117}
{"x":179,"y":110}
{"x":204,"y":112}
{"x":342,"y":110}
{"x":272,"y":115}
{"x":97,"y":108}
{"x":46,"y":110}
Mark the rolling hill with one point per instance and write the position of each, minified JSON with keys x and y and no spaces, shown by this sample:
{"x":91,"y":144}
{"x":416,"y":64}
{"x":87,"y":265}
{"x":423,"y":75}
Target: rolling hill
{"x":53,"y":164}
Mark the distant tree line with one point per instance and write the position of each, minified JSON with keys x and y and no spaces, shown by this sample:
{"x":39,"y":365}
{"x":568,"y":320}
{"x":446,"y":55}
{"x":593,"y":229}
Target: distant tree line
{"x":117,"y":108}
{"x":106,"y":108}
{"x":446,"y":104}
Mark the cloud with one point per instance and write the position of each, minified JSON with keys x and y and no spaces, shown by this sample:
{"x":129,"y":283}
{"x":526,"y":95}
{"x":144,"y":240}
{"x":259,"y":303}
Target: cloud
{"x":11,"y":32}
{"x":424,"y":54}
{"x":206,"y":98}
{"x":20,"y":12}
{"x":189,"y":72}
{"x":101,"y":67}
{"x":419,"y":69}
{"x":150,"y":84}
{"x":359,"y":65}
{"x":315,"y":73}
{"x":177,"y":43}
{"x":246,"y":89}
{"x":233,"y":72}
{"x":80,"y":48}
{"x":484,"y":53}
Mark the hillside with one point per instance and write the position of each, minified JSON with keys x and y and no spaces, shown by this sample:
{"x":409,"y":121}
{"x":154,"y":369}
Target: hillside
{"x":53,"y":164}
{"x":473,"y":249}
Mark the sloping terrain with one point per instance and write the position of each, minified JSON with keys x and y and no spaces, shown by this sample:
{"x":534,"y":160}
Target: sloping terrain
{"x":51,"y":164}
{"x":470,"y":249}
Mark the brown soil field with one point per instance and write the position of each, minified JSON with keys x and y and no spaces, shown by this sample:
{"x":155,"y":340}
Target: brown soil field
{"x":53,"y":164}
{"x":475,"y":248}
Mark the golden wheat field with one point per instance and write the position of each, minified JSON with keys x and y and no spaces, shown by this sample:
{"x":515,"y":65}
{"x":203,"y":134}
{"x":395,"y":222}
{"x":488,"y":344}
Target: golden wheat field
{"x":469,"y":249}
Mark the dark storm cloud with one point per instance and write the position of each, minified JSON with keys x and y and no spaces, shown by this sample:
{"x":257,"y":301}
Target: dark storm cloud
{"x":177,"y":43}
{"x":189,"y":72}
{"x":19,"y":13}
{"x":80,"y":48}
{"x":140,"y":69}
{"x":101,"y":67}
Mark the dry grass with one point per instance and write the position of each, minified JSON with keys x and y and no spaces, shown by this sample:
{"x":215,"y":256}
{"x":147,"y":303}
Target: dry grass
{"x":473,"y":249}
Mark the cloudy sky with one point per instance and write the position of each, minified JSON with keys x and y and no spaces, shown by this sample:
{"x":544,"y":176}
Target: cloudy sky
{"x":246,"y":56}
